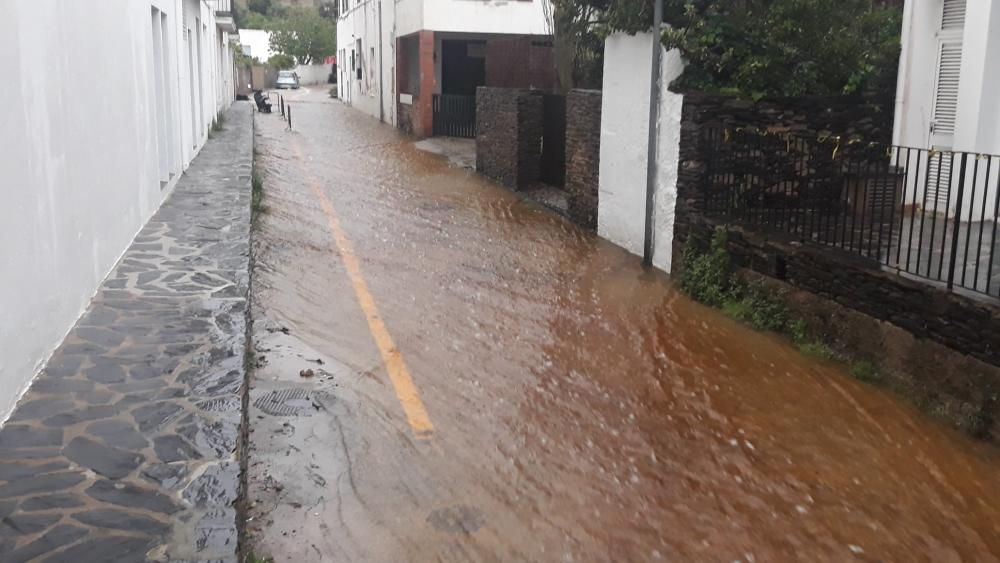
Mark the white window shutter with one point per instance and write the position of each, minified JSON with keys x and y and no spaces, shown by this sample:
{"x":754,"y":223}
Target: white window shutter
{"x":946,"y":89}
{"x":953,"y":14}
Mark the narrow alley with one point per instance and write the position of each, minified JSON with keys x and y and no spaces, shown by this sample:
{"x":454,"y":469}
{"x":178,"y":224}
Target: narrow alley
{"x":446,"y":372}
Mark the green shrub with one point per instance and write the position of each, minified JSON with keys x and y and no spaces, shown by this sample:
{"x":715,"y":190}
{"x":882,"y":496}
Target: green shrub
{"x":256,"y":193}
{"x":281,"y":61}
{"x":818,"y":350}
{"x":798,"y":330}
{"x":737,"y":309}
{"x":708,"y":277}
{"x":763,"y":310}
{"x":866,"y":371}
{"x":981,"y":421}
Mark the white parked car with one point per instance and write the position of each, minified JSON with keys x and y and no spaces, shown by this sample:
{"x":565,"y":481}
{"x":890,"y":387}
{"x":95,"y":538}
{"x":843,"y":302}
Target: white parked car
{"x":287,"y":79}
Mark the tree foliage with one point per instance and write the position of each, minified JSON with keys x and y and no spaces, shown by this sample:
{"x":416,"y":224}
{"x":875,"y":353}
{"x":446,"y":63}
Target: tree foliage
{"x":578,"y":42}
{"x":330,"y":10}
{"x":761,"y":48}
{"x":253,"y":20}
{"x":304,"y":35}
{"x":266,"y":8}
{"x":256,"y":15}
{"x":281,"y":61}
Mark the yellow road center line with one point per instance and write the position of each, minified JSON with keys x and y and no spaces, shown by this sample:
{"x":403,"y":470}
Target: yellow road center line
{"x":399,"y":374}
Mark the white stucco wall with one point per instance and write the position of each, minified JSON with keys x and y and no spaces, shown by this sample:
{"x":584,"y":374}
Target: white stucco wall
{"x":624,"y":140}
{"x":409,"y":16}
{"x":372,"y":21}
{"x":484,"y":16}
{"x":979,"y":88}
{"x":313,"y":74}
{"x":977,"y":123}
{"x":80,"y":158}
{"x":624,"y":145}
{"x":915,"y":83}
{"x":978,"y":119}
{"x":256,"y":43}
{"x":668,"y":146}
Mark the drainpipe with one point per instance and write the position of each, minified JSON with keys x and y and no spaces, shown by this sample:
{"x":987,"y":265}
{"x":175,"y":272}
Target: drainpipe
{"x":654,"y":111}
{"x":381,"y":68}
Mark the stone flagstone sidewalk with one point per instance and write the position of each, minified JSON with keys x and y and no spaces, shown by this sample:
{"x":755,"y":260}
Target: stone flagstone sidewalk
{"x":124,"y":448}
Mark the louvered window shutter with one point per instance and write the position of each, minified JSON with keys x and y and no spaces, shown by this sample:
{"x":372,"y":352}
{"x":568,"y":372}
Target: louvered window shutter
{"x":953,"y":15}
{"x":946,"y":89}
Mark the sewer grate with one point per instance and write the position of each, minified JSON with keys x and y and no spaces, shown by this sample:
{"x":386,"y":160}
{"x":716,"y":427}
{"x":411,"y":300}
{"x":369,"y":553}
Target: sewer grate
{"x":290,"y":402}
{"x":223,"y":404}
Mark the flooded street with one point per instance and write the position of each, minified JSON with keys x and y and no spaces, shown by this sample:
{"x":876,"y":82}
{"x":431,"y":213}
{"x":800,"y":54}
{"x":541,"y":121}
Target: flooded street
{"x":446,"y":372}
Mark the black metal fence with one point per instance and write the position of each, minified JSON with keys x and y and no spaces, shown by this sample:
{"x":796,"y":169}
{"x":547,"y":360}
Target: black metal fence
{"x":455,"y":116}
{"x":925,"y":213}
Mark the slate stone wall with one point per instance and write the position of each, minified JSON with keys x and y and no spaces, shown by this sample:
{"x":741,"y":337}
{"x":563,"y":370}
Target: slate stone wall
{"x":816,"y":116}
{"x":583,"y":155}
{"x":509,"y":128}
{"x":964,"y":323}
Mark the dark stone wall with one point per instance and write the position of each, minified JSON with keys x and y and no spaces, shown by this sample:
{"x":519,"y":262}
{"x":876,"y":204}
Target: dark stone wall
{"x":816,"y":116}
{"x":969,"y":325}
{"x":404,"y":119}
{"x":509,"y":129}
{"x":583,"y":155}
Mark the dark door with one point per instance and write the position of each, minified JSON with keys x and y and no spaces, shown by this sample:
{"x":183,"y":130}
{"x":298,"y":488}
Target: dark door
{"x":463,"y":67}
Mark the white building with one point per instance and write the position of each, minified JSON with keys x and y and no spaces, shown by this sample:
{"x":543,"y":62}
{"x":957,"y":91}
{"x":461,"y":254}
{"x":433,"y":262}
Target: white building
{"x":948,"y":94}
{"x":105,"y":105}
{"x":256,"y":43}
{"x":395,"y":57}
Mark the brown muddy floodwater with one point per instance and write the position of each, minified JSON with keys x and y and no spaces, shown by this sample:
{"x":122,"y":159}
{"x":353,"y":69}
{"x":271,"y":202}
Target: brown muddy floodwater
{"x":582,"y":409}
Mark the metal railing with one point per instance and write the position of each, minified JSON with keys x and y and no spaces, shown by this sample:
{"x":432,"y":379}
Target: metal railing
{"x":924,"y":213}
{"x":454,"y":116}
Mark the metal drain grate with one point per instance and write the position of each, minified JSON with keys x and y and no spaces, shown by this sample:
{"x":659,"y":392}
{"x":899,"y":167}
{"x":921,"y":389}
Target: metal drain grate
{"x":290,"y":402}
{"x":224,"y":404}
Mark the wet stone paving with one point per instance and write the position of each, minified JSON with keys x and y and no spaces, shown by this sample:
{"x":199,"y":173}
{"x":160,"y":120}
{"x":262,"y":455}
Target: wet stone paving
{"x":124,"y":448}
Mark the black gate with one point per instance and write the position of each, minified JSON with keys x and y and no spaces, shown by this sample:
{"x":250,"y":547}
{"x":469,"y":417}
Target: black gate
{"x":455,"y":116}
{"x":554,"y":140}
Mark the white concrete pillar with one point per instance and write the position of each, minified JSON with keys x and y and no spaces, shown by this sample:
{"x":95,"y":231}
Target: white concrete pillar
{"x":624,"y":139}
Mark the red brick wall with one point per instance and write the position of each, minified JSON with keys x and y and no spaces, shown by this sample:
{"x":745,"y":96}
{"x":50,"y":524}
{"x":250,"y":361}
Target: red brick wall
{"x":422,"y":115}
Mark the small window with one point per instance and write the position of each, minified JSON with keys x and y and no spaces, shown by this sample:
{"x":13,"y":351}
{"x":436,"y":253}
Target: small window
{"x":361,"y":55}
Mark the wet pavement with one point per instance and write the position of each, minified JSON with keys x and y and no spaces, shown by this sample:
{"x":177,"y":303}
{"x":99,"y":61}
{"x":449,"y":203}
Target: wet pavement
{"x":123,"y":449}
{"x":577,"y":408}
